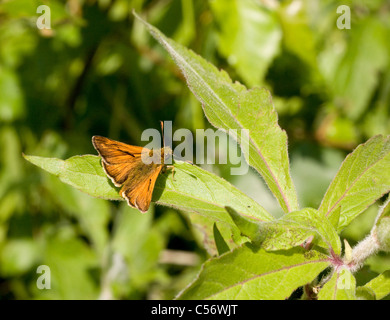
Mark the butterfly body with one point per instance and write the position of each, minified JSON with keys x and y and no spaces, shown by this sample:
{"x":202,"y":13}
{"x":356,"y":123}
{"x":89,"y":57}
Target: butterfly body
{"x":133,"y":168}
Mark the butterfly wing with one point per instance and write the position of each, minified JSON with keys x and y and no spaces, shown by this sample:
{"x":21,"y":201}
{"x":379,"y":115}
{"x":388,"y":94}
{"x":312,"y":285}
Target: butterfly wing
{"x":139,"y":193}
{"x":118,"y":158}
{"x":123,"y":165}
{"x":114,"y":152}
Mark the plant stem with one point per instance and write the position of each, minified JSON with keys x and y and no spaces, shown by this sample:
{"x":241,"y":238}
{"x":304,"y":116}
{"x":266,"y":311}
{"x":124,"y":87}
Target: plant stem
{"x":364,"y":249}
{"x":368,"y":246}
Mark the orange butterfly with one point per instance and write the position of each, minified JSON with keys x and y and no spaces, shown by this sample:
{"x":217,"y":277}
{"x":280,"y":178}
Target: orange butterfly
{"x":134,"y":168}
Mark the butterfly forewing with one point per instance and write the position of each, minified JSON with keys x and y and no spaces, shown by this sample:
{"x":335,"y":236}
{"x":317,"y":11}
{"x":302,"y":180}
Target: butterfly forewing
{"x":114,"y":152}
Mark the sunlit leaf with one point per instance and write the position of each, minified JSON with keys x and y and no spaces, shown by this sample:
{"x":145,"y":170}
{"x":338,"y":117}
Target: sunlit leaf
{"x":362,"y":178}
{"x":379,"y":286}
{"x":341,"y":286}
{"x":192,"y":189}
{"x":229,"y":106}
{"x":293,"y":229}
{"x":251,"y":273}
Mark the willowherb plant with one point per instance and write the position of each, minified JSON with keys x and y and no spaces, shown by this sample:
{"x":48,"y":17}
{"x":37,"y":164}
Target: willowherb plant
{"x":258,"y":256}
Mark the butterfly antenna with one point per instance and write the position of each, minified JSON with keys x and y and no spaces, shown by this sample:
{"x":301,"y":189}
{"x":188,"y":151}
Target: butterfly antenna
{"x":162,"y":131}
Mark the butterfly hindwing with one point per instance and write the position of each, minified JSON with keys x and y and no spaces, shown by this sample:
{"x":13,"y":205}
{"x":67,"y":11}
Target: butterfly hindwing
{"x":118,"y":173}
{"x":139,"y":194}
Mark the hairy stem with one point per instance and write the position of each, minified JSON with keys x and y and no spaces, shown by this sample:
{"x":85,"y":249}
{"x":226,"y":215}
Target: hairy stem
{"x":364,"y":249}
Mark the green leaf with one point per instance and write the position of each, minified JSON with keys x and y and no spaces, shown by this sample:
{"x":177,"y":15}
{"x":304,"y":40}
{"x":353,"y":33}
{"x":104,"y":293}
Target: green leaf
{"x":292,"y":229}
{"x":204,"y":232}
{"x":363,"y":293}
{"x":341,"y":286}
{"x":85,"y":173}
{"x":296,"y":227}
{"x":363,"y":178}
{"x":380,"y":285}
{"x":220,"y":243}
{"x":249,"y":37}
{"x":335,"y":217}
{"x":193,"y":189}
{"x":200,"y":192}
{"x":251,"y":273}
{"x":230,"y":105}
{"x":248,"y":227}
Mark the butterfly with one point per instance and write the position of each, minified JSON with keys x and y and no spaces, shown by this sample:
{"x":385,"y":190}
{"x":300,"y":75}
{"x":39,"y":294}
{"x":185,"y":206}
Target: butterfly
{"x":133,"y":168}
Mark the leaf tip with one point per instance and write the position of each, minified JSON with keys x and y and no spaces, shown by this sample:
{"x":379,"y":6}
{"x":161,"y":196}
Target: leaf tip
{"x":26,"y":157}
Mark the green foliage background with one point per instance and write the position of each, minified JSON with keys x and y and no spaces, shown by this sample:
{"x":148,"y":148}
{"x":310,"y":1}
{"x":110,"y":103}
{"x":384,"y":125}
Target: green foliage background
{"x":98,"y":72}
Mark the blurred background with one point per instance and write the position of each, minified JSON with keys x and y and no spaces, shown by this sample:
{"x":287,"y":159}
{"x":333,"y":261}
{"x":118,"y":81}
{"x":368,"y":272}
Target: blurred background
{"x":98,"y":72}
